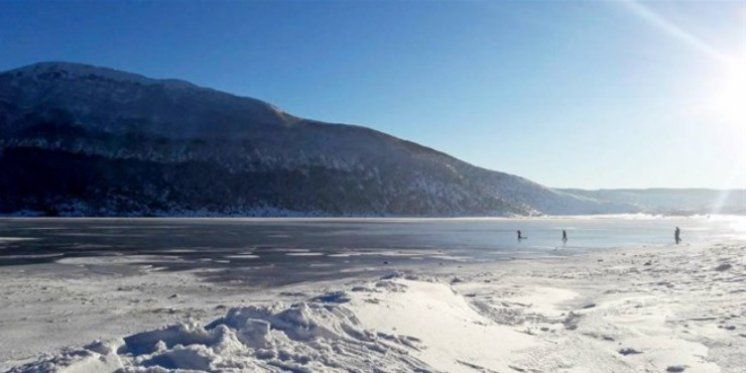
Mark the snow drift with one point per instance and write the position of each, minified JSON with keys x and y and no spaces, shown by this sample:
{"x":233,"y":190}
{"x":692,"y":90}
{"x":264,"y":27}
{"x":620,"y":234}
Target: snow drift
{"x":318,"y":335}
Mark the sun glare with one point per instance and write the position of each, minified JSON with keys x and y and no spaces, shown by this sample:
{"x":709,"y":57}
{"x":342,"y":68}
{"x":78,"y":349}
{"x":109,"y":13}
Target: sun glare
{"x":729,"y":99}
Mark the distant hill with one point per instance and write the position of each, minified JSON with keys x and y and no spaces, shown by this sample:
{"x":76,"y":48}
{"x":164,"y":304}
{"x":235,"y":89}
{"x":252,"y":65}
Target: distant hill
{"x":672,"y":201}
{"x":84,"y":140}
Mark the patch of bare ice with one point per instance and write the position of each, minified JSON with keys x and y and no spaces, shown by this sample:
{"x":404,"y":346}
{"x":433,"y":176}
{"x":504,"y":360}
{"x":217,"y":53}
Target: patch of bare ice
{"x":15,"y":239}
{"x":242,"y":256}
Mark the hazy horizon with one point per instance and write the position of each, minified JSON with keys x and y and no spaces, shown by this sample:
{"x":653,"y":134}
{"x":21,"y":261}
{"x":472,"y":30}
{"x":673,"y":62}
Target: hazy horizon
{"x":584,"y":95}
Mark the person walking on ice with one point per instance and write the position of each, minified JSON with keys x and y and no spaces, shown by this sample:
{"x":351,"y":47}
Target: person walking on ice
{"x":677,"y":235}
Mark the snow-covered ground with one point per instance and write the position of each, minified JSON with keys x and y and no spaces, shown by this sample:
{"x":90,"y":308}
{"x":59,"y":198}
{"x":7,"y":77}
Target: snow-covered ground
{"x":663,"y":309}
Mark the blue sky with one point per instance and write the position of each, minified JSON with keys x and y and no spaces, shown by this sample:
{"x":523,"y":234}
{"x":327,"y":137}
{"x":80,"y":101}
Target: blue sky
{"x":569,"y":94}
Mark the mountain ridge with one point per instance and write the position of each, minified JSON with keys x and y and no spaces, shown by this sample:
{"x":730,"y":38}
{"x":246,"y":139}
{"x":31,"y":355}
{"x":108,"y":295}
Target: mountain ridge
{"x":118,"y":143}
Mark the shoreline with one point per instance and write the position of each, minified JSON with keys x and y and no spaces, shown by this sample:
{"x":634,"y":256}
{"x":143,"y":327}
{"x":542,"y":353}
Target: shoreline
{"x":626,"y":309}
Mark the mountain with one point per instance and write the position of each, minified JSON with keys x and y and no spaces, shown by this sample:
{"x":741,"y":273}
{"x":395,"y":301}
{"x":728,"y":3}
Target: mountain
{"x":84,"y":140}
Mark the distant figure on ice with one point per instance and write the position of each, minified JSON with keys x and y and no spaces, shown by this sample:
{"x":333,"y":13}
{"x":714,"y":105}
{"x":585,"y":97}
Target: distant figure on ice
{"x":520,"y":235}
{"x":564,"y":236}
{"x":677,"y":235}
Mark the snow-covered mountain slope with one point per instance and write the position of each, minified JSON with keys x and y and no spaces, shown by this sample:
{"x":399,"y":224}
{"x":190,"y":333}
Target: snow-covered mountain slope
{"x":79,"y":139}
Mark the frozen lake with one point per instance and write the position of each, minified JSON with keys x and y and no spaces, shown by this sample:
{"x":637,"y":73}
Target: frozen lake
{"x":286,"y":250}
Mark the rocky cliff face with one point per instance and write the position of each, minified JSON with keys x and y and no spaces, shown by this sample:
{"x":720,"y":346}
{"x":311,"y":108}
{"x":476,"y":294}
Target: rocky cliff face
{"x":78,"y":139}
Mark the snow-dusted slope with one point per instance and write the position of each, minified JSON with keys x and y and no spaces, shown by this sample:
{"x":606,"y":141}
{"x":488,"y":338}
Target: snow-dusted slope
{"x":79,"y":139}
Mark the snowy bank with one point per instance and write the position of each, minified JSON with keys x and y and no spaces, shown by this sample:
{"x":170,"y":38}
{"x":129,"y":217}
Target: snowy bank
{"x":671,"y":309}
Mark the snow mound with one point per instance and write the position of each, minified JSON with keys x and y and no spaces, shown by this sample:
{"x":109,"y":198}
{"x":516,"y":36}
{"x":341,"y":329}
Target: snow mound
{"x":305,"y":337}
